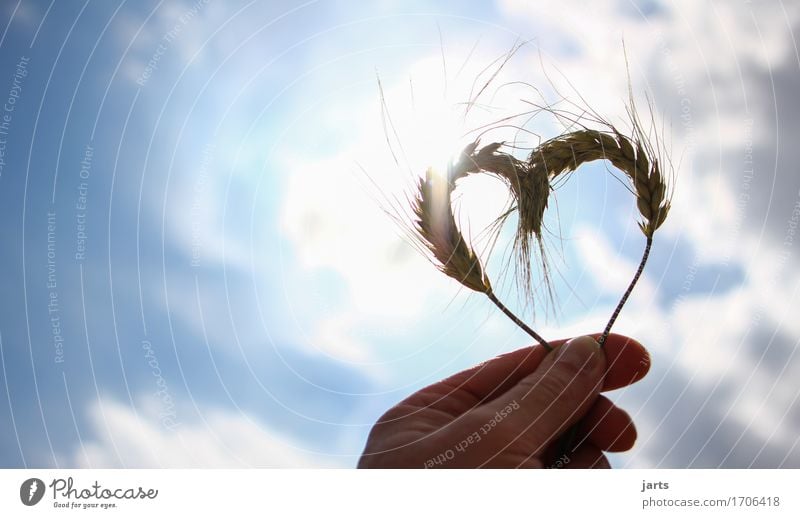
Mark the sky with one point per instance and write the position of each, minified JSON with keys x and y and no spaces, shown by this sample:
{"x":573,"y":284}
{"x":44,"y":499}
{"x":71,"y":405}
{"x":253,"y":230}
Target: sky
{"x":202,"y":263}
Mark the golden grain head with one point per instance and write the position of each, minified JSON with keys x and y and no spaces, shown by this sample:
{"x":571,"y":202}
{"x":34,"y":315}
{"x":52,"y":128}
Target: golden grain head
{"x":530,"y":190}
{"x":565,"y":153}
{"x":437,"y":230}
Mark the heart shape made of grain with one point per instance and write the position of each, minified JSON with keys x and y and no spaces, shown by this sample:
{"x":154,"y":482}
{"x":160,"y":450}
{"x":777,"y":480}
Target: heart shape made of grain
{"x":529,"y":184}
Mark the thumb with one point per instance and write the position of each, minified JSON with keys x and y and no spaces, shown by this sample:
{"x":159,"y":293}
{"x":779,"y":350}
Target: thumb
{"x":556,"y":395}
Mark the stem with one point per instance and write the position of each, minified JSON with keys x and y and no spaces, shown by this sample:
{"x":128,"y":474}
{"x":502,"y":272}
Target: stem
{"x":628,"y":292}
{"x":519,"y":322}
{"x":566,"y":443}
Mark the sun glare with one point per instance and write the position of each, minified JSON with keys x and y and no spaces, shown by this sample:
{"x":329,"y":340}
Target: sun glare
{"x":428,"y":114}
{"x":438,"y":139}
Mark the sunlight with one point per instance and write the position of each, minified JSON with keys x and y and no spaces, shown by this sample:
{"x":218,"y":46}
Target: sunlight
{"x":427,"y":113}
{"x":437,"y":140}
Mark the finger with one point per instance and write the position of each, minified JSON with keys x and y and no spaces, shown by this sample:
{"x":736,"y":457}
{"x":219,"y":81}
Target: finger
{"x":607,"y":426}
{"x":558,"y":393}
{"x":493,"y":377}
{"x":627,"y":360}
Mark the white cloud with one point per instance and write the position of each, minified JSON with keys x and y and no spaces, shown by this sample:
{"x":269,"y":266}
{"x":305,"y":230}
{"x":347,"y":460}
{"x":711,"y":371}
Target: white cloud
{"x":608,"y":269}
{"x":711,"y":351}
{"x":705,"y":210}
{"x":127,"y":439}
{"x":336,"y":337}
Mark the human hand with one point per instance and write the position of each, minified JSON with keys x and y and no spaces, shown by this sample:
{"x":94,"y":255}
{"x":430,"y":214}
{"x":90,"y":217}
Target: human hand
{"x":510,"y":411}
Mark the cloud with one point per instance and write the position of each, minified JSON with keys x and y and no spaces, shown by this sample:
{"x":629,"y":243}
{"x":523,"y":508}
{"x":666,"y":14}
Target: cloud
{"x":610,"y":271}
{"x":129,"y":438}
{"x":336,"y":337}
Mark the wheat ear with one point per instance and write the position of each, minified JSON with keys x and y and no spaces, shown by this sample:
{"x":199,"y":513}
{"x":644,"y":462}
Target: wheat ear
{"x":567,"y":152}
{"x":530,"y":191}
{"x":436,"y":229}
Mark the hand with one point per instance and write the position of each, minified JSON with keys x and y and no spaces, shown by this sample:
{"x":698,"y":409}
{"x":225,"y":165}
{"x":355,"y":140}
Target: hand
{"x":509,"y":412}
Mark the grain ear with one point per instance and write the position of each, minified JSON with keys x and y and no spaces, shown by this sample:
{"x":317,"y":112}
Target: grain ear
{"x":437,"y":231}
{"x":626,"y":154}
{"x":435,"y":228}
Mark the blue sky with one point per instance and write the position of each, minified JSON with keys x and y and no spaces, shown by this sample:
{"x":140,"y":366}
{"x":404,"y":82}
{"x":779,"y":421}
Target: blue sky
{"x":243,"y":300}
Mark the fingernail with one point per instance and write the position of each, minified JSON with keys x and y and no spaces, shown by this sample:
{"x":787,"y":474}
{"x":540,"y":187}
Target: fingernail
{"x":581,"y":353}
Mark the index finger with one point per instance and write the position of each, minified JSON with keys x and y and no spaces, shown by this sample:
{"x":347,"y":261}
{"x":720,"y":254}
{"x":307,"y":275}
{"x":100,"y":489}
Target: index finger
{"x":627,"y":362}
